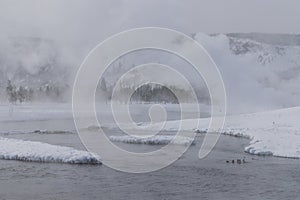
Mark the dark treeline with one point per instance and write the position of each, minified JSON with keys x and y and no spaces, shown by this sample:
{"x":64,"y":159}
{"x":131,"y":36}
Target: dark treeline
{"x":148,"y":93}
{"x":155,"y":94}
{"x":19,"y":94}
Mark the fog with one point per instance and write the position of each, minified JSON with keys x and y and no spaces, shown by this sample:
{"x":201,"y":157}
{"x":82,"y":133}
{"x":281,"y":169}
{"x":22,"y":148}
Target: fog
{"x":62,"y":32}
{"x":86,"y":23}
{"x":80,"y":25}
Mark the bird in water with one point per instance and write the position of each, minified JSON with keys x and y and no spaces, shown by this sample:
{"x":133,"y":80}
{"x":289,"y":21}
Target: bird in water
{"x":238,"y":161}
{"x":244,"y":160}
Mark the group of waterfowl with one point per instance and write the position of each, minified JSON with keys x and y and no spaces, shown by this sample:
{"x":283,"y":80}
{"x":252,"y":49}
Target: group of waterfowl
{"x":238,"y":161}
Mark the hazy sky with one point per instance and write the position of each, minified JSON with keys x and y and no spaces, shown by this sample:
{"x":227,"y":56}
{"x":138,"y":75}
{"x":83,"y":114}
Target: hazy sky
{"x":90,"y":21}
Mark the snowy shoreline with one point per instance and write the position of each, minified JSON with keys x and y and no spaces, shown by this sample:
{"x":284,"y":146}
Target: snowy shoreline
{"x":15,"y":149}
{"x":251,"y":150}
{"x":154,"y":140}
{"x":272,"y":133}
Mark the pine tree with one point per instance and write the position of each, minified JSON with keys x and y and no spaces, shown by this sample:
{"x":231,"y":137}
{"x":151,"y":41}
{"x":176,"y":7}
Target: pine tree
{"x":11,"y":92}
{"x":21,"y":94}
{"x":103,"y":85}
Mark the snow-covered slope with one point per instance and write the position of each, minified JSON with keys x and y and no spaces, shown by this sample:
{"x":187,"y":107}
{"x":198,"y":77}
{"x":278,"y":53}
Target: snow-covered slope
{"x":274,"y":133}
{"x":13,"y":149}
{"x":257,"y":75}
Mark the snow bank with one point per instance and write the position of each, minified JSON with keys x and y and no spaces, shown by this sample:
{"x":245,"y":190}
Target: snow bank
{"x":272,"y":133}
{"x":13,"y":149}
{"x":154,"y":140}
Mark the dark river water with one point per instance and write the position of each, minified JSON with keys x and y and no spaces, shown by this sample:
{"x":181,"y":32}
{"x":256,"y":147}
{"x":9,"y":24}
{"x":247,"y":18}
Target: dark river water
{"x":187,"y":178}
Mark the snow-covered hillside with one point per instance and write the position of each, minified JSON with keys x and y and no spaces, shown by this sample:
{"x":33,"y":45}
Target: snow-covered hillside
{"x":256,"y":75}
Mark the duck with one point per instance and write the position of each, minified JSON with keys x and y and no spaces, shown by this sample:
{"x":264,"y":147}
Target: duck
{"x":244,"y":160}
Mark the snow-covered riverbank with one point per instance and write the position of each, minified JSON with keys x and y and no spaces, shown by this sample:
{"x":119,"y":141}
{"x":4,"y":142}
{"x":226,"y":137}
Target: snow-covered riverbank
{"x":14,"y":149}
{"x":274,"y":133}
{"x":153,"y":140}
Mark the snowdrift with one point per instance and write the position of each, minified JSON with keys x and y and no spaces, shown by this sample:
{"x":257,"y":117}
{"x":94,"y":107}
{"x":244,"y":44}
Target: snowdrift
{"x":13,"y":149}
{"x":272,"y":133}
{"x":154,"y":140}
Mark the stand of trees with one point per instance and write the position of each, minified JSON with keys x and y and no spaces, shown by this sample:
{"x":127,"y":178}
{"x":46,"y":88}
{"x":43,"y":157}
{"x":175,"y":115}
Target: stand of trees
{"x":152,"y":93}
{"x":22,"y":94}
{"x":18,"y":94}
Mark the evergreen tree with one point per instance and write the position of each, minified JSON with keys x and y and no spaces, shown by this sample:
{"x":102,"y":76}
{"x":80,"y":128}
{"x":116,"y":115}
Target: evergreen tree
{"x":21,"y":94}
{"x":11,"y":92}
{"x":103,"y":85}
